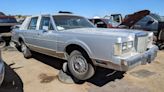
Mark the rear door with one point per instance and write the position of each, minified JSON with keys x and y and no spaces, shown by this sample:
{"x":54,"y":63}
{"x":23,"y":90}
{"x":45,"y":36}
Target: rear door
{"x":31,"y":32}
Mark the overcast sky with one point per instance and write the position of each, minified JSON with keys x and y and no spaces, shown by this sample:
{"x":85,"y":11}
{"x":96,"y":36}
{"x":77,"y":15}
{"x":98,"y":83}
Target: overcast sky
{"x":87,"y":8}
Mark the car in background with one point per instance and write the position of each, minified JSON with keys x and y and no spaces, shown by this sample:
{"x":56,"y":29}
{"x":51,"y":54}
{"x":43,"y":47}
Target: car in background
{"x":149,"y":22}
{"x":75,"y":39}
{"x":104,"y":23}
{"x":6,"y":22}
{"x":115,"y":17}
{"x":142,"y":20}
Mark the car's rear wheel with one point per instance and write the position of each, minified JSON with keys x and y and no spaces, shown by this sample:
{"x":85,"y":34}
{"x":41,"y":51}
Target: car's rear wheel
{"x":79,"y":65}
{"x":25,"y":50}
{"x":2,"y":43}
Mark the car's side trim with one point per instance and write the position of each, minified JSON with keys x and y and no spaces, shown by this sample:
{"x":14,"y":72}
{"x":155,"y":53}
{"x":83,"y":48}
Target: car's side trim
{"x":47,"y":51}
{"x":55,"y":41}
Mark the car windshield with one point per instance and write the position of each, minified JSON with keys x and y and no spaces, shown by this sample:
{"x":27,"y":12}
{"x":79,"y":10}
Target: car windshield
{"x":64,"y":22}
{"x":157,"y":17}
{"x":162,"y":18}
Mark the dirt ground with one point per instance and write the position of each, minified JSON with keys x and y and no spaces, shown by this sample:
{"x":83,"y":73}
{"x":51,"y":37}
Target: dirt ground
{"x":39,"y":74}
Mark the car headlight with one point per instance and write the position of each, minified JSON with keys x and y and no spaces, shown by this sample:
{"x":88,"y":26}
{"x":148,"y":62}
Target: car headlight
{"x":120,"y":48}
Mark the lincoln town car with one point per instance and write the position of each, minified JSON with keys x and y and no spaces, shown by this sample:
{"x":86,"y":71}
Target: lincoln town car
{"x":75,"y":39}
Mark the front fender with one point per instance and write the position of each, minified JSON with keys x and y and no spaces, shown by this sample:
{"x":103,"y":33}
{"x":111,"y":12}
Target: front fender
{"x":20,"y":36}
{"x":81,"y":44}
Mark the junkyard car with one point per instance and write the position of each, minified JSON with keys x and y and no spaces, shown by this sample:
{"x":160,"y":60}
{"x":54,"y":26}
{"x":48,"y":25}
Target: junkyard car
{"x":6,"y":22}
{"x":147,"y":21}
{"x":75,"y":39}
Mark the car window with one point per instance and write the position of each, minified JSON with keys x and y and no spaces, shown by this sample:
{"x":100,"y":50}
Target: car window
{"x":145,"y":19}
{"x":45,"y":21}
{"x":98,"y":21}
{"x":116,"y":18}
{"x":8,"y":20}
{"x":156,"y":17}
{"x":33,"y":22}
{"x":71,"y":22}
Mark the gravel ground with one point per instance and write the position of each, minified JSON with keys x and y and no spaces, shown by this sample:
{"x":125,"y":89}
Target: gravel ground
{"x":39,"y":74}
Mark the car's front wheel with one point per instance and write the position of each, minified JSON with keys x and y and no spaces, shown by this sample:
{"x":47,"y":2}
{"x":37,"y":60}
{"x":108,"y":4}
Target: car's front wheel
{"x":25,"y":50}
{"x":79,"y":66}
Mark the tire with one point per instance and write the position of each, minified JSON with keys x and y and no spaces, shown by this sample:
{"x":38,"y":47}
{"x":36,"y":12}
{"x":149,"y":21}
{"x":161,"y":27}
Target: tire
{"x":2,"y":43}
{"x":79,"y":66}
{"x":25,"y":50}
{"x":161,"y":47}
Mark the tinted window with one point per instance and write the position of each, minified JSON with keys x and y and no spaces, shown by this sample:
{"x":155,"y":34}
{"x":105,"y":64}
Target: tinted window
{"x":156,"y":17}
{"x":46,"y":22}
{"x":145,"y":19}
{"x":8,"y":20}
{"x":33,"y":22}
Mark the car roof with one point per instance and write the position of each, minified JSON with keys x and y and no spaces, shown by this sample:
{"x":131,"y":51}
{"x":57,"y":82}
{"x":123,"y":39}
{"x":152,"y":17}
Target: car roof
{"x":57,"y":14}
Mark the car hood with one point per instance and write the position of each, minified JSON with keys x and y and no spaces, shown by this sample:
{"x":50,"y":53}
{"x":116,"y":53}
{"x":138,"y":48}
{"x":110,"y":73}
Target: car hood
{"x":134,"y":18}
{"x":104,"y":31}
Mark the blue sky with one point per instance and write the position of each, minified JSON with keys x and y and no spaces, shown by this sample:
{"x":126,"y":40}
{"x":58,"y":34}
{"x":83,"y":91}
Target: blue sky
{"x":87,"y":8}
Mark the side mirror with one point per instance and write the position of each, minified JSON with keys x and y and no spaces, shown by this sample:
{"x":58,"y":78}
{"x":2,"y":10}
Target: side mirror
{"x":45,"y":28}
{"x":150,"y":22}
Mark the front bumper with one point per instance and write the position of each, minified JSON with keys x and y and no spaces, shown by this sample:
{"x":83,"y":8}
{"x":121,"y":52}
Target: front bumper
{"x":140,"y":59}
{"x":2,"y":71}
{"x":132,"y":61}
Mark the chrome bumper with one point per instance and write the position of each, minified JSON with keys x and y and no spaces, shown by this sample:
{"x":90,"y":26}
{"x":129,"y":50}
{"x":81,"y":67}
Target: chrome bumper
{"x":140,"y":59}
{"x":2,"y":71}
{"x":130,"y":62}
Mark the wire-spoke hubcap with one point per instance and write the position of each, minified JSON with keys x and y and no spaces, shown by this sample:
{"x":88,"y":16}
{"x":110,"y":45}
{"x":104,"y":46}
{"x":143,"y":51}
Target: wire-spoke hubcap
{"x":80,"y":64}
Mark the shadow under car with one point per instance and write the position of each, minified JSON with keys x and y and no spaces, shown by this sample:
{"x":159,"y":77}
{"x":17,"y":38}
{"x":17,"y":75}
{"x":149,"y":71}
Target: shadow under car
{"x":101,"y":77}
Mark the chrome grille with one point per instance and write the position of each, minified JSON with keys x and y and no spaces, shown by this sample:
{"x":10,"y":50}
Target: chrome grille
{"x":141,"y":43}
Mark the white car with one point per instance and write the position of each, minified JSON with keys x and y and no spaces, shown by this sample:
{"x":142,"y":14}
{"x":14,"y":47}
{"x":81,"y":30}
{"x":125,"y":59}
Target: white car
{"x":84,"y":46}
